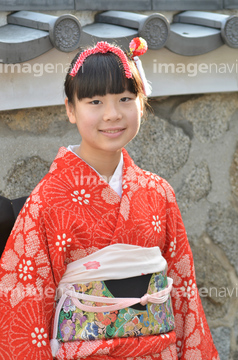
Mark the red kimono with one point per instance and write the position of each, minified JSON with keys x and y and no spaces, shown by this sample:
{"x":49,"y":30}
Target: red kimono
{"x":71,"y":214}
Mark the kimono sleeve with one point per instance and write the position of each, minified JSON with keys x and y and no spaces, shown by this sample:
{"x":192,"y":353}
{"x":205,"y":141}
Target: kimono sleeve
{"x":194,"y":340}
{"x":27,"y":288}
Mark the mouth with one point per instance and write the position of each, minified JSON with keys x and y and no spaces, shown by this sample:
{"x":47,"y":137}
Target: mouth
{"x":112,"y":131}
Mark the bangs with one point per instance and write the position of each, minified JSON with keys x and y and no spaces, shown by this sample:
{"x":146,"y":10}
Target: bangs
{"x":101,"y":74}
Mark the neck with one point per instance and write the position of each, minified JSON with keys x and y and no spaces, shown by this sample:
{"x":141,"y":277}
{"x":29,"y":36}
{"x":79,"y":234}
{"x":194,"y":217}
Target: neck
{"x":104,"y":163}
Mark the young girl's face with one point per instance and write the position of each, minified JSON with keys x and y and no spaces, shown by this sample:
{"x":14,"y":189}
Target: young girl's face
{"x":106,"y":123}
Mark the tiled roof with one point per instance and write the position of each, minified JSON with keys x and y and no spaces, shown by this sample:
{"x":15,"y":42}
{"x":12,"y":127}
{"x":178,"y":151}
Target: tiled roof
{"x":30,"y":34}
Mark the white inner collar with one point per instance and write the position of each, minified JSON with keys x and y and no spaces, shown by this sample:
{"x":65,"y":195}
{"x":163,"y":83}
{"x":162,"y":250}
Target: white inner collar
{"x":116,"y":180}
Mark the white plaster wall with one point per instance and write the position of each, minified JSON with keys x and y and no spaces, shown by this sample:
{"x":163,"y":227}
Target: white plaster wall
{"x":3,"y":18}
{"x":173,"y":74}
{"x":39,"y":82}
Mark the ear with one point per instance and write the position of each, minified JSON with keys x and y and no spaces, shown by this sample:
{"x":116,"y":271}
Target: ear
{"x":70,"y":111}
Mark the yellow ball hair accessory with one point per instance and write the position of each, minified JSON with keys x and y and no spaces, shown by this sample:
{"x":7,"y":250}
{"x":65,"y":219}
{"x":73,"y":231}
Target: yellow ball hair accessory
{"x":138,"y":46}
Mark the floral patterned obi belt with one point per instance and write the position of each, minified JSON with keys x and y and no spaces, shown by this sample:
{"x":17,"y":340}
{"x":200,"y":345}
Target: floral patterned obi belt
{"x":90,"y":310}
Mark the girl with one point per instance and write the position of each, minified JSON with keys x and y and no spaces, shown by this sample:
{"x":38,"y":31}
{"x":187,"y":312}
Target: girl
{"x":97,"y":226}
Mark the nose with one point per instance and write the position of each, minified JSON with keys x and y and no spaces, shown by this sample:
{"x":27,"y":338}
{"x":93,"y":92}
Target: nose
{"x":112,"y":112}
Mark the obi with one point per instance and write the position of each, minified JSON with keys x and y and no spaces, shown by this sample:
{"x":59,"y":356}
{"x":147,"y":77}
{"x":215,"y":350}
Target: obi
{"x":119,"y":291}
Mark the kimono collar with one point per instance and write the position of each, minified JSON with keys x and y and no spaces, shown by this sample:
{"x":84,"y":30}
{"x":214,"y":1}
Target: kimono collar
{"x":116,"y":179}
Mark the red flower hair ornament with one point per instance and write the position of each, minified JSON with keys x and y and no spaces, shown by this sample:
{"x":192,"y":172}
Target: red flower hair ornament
{"x":138,"y":46}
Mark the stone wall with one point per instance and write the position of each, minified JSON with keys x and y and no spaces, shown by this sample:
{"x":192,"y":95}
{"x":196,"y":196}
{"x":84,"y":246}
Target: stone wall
{"x":192,"y":141}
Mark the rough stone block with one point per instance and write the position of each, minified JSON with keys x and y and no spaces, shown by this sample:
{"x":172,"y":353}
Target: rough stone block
{"x":235,"y":337}
{"x":24,"y":175}
{"x":160,"y":147}
{"x":221,"y":337}
{"x":212,"y":279}
{"x":222,"y":227}
{"x":164,"y":108}
{"x":234,"y":173}
{"x":210,"y":115}
{"x":196,"y":186}
{"x":52,"y":121}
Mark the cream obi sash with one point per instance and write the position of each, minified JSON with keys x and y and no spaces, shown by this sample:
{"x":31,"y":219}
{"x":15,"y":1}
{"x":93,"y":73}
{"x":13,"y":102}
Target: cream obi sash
{"x":87,"y":310}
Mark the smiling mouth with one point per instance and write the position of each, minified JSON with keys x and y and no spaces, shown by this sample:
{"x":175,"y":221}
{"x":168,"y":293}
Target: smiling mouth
{"x":112,"y":131}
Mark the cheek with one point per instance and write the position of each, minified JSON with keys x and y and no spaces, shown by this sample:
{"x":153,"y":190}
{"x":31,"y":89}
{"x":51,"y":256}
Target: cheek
{"x":85,"y":126}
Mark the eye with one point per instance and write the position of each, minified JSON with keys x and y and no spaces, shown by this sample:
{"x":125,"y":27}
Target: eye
{"x":125,"y":99}
{"x":95,"y":102}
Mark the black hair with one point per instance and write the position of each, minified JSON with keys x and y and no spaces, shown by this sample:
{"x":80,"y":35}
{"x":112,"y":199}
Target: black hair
{"x":101,"y":74}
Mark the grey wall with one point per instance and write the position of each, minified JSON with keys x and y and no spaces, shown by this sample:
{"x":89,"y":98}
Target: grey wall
{"x":192,"y":141}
